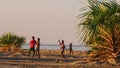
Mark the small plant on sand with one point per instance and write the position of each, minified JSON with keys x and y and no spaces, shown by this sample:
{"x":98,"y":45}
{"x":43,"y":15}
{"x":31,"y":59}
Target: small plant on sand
{"x":11,"y":40}
{"x":101,"y":30}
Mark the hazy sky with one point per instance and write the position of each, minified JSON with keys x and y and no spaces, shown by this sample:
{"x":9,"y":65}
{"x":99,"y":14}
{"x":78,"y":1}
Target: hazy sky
{"x":48,"y":19}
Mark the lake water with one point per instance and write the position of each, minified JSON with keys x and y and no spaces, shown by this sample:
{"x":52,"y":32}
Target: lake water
{"x":56,"y":47}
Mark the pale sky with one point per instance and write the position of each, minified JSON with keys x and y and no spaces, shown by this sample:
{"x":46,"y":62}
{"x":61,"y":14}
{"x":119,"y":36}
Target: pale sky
{"x":48,"y":19}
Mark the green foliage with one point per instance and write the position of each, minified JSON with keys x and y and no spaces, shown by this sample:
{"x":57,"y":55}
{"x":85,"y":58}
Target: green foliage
{"x":101,"y":28}
{"x":11,"y":39}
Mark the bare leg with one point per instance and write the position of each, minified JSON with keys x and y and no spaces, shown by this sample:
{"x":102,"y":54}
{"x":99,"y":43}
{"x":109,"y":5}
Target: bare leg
{"x":71,"y":52}
{"x":62,"y":54}
{"x":38,"y":53}
{"x":33,"y":53}
{"x":29,"y":52}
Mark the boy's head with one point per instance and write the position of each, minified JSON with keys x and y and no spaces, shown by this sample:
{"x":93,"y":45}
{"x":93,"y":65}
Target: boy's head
{"x":38,"y":38}
{"x":33,"y":37}
{"x":62,"y":41}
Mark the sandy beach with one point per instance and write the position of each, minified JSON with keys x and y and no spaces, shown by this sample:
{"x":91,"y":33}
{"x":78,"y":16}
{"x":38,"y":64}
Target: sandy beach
{"x":50,"y":59}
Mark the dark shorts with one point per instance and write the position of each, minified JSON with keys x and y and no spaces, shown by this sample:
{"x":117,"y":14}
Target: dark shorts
{"x":32,"y":49}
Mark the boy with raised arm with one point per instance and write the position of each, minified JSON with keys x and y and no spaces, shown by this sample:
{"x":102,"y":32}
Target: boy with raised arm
{"x":62,"y":46}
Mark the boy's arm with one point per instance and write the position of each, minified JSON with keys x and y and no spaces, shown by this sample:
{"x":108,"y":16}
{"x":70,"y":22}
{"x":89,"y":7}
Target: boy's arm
{"x":59,"y":41}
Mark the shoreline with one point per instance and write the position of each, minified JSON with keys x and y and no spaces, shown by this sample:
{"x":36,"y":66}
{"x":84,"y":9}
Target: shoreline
{"x":57,"y":47}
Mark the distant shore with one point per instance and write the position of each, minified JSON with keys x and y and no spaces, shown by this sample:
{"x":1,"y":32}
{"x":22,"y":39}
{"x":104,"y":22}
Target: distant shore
{"x":49,"y":59}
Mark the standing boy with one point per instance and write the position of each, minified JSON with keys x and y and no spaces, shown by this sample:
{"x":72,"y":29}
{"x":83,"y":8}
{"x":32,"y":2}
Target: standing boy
{"x":38,"y":47}
{"x":70,"y":49}
{"x":32,"y":46}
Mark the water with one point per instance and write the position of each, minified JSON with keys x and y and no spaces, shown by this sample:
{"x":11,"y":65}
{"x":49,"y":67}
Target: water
{"x":56,"y":47}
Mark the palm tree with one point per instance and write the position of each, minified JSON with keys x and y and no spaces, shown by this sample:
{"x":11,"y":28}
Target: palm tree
{"x":11,"y":40}
{"x":101,"y":29}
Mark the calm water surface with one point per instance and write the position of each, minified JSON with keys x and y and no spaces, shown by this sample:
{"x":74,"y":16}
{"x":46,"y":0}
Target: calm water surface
{"x":56,"y":47}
